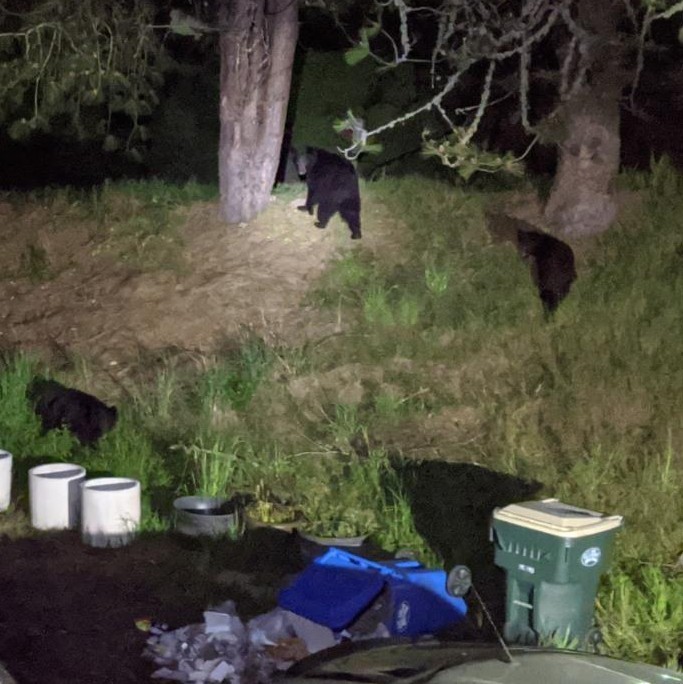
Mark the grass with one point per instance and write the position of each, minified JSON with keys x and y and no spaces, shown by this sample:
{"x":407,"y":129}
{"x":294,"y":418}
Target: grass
{"x":445,"y":351}
{"x":138,"y":220}
{"x":35,"y":264}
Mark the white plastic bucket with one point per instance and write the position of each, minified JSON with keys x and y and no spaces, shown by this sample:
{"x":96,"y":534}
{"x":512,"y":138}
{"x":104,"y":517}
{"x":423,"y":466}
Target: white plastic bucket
{"x":5,"y":479}
{"x":111,"y":511}
{"x":55,"y":495}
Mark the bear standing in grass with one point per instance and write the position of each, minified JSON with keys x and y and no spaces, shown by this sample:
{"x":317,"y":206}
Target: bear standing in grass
{"x":552,"y":265}
{"x":551,"y":260}
{"x":82,"y":414}
{"x":332,"y":184}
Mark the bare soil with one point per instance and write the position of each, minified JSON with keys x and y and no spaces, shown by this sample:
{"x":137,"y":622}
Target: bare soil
{"x":232,"y":277}
{"x":68,"y":612}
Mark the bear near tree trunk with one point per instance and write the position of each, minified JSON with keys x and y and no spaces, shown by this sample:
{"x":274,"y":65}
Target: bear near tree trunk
{"x":581,"y":201}
{"x":257,"y":43}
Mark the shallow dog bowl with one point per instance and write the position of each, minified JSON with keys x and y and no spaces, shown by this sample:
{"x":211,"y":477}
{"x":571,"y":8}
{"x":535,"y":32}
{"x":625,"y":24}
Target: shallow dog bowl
{"x":205,"y":515}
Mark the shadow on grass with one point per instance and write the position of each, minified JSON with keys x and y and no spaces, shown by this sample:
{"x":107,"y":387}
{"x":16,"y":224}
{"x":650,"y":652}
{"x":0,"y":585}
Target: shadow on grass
{"x":452,"y":505}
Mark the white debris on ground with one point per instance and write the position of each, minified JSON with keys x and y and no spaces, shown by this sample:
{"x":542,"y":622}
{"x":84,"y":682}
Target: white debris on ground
{"x":223,"y":649}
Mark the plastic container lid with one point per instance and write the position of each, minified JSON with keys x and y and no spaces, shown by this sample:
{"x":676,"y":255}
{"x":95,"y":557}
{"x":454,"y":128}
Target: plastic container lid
{"x":556,"y":518}
{"x":331,"y":596}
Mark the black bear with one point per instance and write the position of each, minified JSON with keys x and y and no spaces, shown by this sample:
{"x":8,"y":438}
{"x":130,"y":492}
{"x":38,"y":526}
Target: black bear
{"x":332,"y":184}
{"x":58,"y":406}
{"x":288,"y":167}
{"x":552,"y":265}
{"x":550,"y":259}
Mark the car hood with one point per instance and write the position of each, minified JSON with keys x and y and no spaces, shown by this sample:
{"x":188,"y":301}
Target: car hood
{"x":434,"y":662}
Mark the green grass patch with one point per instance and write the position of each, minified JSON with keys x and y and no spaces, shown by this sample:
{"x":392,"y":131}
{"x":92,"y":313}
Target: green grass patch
{"x":138,"y":220}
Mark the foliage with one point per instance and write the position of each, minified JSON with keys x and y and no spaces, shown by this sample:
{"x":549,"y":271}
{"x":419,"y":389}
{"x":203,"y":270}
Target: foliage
{"x":641,"y":613}
{"x":233,"y":381}
{"x":269,"y":509}
{"x":328,"y":87}
{"x":216,"y":469}
{"x":459,"y":153}
{"x":341,"y":500}
{"x":35,"y":264}
{"x":480,"y":44}
{"x":79,"y":68}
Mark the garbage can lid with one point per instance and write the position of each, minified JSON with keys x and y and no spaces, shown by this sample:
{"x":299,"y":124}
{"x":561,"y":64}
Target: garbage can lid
{"x":331,"y":596}
{"x":560,"y":519}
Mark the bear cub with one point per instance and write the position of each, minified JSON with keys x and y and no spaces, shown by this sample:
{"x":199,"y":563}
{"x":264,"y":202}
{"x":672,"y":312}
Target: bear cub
{"x":332,"y":184}
{"x":552,"y":265}
{"x":58,"y":406}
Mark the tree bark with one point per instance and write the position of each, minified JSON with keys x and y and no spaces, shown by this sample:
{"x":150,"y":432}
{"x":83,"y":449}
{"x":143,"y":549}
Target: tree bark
{"x":581,"y":201}
{"x":257,"y":46}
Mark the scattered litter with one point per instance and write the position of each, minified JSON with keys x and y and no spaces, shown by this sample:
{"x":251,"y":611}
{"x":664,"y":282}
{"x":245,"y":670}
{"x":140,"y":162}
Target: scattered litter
{"x":338,"y":597}
{"x":223,"y":649}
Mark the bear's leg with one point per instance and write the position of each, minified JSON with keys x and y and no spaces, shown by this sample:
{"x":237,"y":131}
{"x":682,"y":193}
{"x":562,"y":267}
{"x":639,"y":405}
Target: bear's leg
{"x":311,"y":201}
{"x":350,"y":212}
{"x":550,"y":301}
{"x":325,"y":213}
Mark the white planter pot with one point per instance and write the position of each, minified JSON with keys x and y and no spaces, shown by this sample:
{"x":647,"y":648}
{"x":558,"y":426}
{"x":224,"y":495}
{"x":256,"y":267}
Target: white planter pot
{"x":111,"y":511}
{"x":55,"y":495}
{"x":5,"y":479}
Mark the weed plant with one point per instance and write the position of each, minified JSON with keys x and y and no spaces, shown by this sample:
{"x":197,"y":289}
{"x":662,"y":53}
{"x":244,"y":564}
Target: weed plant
{"x":35,"y":264}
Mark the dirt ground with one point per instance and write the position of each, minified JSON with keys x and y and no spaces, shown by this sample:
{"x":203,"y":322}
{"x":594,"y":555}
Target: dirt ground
{"x":68,"y":611}
{"x":234,"y":277}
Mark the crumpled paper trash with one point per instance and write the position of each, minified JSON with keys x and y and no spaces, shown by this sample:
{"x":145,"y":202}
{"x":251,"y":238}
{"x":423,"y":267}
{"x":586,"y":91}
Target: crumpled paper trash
{"x":224,"y":649}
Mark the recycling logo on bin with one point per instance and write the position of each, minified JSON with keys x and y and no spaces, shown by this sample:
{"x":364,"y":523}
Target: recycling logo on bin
{"x":402,"y":616}
{"x":591,"y":557}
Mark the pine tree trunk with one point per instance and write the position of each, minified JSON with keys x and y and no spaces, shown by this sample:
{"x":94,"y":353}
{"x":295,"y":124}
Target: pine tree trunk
{"x":581,"y":201}
{"x":257,"y":53}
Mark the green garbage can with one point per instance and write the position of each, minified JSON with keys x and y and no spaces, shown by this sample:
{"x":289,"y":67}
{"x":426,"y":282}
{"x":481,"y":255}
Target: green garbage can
{"x":553,"y":555}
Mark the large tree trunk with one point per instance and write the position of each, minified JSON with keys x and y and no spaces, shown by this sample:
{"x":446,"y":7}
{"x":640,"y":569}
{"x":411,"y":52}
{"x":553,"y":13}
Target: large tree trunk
{"x":581,"y":201}
{"x":257,"y":46}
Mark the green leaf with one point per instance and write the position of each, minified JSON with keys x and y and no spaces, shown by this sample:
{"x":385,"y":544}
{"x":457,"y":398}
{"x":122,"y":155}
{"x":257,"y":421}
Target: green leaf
{"x":374,"y":148}
{"x":131,"y":108}
{"x":19,"y":130}
{"x":184,"y":25}
{"x":370,"y":31}
{"x":111,"y":143}
{"x":134,"y":154}
{"x":143,"y":132}
{"x":356,"y":54}
{"x":466,"y":170}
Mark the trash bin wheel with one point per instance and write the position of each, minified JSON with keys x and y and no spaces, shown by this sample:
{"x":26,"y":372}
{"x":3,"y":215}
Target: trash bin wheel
{"x":594,"y":639}
{"x":459,"y":581}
